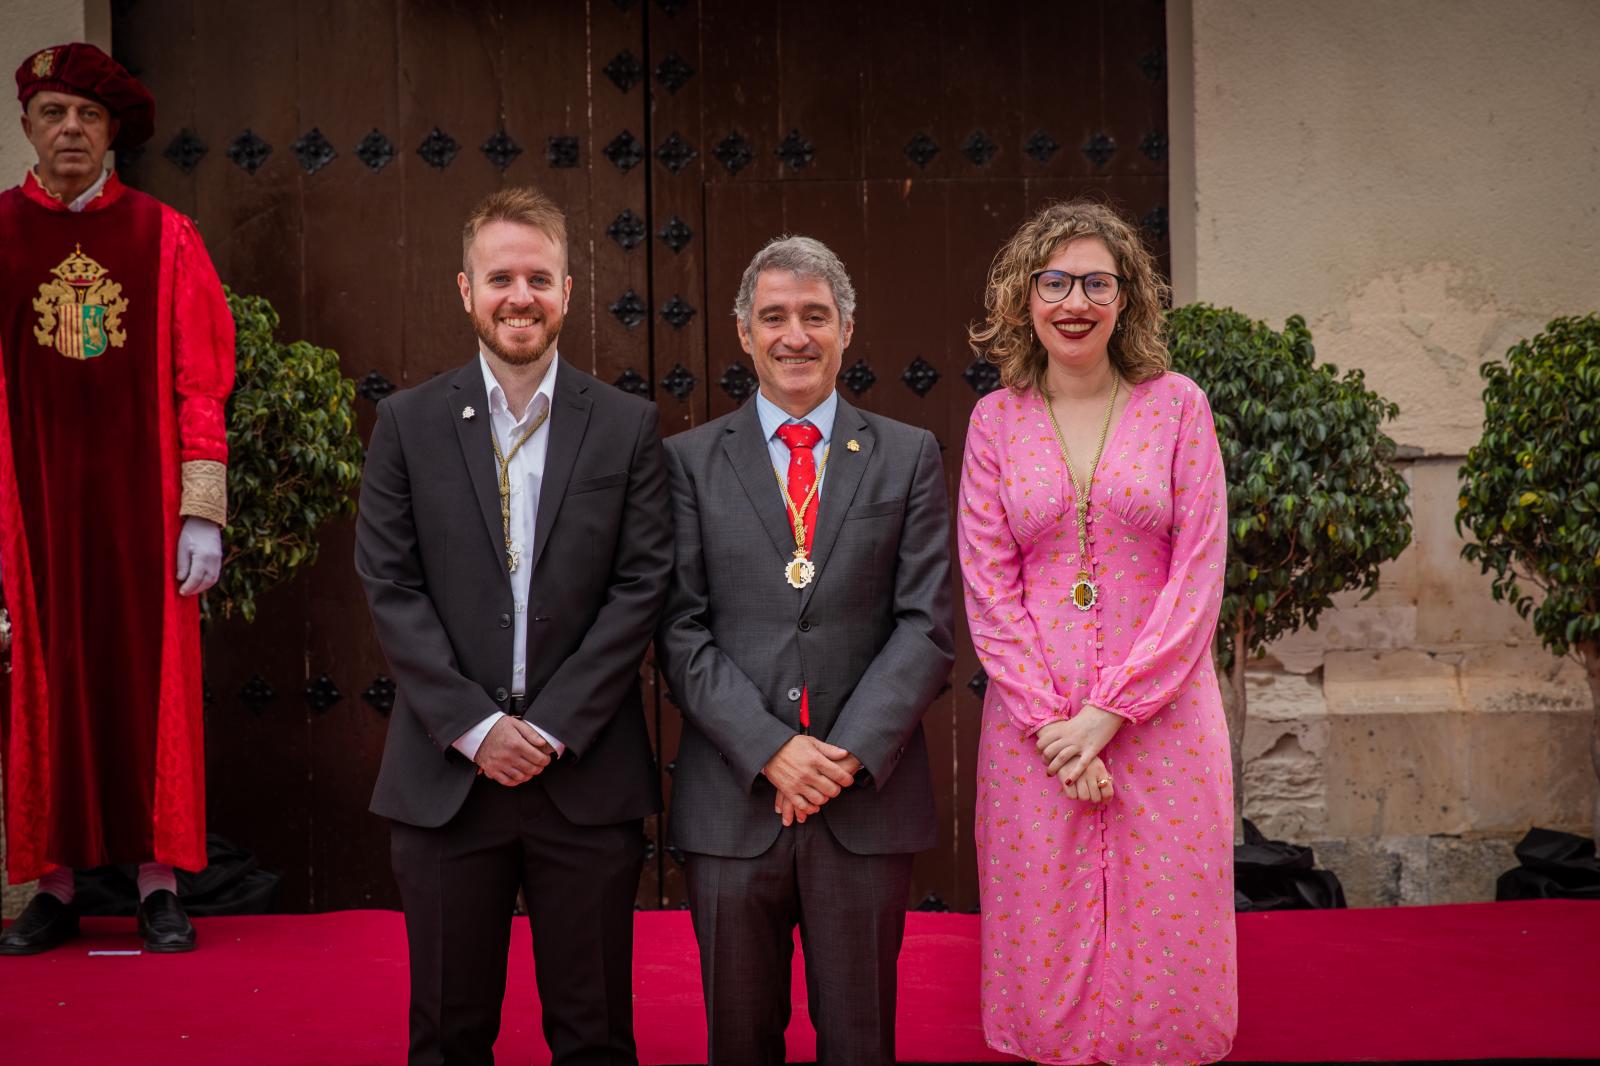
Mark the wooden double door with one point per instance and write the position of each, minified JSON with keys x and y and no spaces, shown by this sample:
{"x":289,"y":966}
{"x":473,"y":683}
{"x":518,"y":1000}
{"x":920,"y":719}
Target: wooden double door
{"x":331,"y":151}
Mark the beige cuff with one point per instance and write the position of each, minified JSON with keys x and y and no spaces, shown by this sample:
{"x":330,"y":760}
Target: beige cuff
{"x":205,"y":490}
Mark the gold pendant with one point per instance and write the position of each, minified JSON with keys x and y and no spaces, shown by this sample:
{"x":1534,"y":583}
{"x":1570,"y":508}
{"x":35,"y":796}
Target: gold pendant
{"x":799,"y":571}
{"x":1084,"y":593}
{"x":513,"y":558}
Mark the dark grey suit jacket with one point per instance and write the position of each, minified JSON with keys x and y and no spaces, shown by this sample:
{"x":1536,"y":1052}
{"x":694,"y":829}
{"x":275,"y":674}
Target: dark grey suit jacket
{"x":871,"y":636}
{"x":431,"y":553}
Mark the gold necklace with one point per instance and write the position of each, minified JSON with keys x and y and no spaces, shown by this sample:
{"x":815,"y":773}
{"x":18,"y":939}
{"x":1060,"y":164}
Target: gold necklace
{"x":1085,"y":594}
{"x":513,"y":557}
{"x":800,"y":570}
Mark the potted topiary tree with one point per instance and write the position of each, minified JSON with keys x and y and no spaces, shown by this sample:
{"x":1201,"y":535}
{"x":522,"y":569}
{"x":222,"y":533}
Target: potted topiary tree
{"x":1315,"y":505}
{"x":1530,"y":493}
{"x":293,"y":457}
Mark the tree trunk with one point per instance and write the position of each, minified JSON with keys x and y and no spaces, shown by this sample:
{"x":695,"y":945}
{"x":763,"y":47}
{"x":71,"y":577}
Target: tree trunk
{"x":1590,"y":654}
{"x":1234,"y":709}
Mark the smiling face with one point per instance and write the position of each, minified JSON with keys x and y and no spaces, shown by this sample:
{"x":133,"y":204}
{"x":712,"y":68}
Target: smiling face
{"x":1076,"y":333}
{"x":795,"y":338}
{"x":517,"y":292}
{"x":70,"y":134}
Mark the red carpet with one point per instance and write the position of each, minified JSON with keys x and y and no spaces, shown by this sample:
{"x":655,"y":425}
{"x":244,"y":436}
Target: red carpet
{"x":1500,"y":980}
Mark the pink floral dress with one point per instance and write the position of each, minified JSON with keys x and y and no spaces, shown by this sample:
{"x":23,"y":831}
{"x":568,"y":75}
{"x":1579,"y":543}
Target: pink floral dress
{"x":1108,"y":929}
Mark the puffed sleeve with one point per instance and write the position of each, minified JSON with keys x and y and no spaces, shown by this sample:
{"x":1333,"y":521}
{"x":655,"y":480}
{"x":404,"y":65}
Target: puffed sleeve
{"x":1004,"y":634}
{"x":1178,"y":633}
{"x":202,"y":351}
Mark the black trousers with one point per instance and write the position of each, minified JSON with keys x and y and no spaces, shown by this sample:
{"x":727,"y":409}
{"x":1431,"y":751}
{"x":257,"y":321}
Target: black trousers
{"x":458,"y":886}
{"x":851,"y":910}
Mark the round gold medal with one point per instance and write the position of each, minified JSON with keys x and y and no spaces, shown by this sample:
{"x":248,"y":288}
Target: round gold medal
{"x":799,"y":571}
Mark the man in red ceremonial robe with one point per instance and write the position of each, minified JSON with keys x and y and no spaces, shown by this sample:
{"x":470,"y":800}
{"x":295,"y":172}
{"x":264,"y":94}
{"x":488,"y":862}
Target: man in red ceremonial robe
{"x":116,"y":359}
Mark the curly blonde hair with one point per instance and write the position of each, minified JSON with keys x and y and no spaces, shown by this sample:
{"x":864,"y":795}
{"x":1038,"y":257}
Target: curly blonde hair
{"x":1006,"y":337}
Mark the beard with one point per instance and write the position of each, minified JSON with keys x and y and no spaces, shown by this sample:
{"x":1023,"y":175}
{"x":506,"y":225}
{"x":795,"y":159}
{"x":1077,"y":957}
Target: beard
{"x":546,"y":330}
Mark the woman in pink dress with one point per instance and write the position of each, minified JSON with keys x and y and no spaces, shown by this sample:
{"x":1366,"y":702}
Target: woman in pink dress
{"x":1105,"y":799}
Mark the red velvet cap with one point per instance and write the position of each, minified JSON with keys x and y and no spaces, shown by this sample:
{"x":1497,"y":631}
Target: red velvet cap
{"x":83,"y":70}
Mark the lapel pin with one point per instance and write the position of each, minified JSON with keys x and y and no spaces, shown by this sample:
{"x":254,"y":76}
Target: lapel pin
{"x":468,"y":414}
{"x":852,"y":445}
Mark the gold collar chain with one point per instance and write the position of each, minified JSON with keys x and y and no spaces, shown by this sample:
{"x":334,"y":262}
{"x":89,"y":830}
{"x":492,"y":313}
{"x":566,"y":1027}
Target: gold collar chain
{"x":513,"y":557}
{"x":1085,"y":594}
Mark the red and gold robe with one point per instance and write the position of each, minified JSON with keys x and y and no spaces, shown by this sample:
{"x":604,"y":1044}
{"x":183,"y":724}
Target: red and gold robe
{"x":116,"y":360}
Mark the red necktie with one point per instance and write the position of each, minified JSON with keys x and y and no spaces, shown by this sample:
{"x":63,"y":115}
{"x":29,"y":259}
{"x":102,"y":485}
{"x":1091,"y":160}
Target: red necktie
{"x":802,"y":437}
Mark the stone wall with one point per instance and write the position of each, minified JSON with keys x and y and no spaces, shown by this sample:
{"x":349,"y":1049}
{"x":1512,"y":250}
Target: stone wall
{"x":1417,"y":180}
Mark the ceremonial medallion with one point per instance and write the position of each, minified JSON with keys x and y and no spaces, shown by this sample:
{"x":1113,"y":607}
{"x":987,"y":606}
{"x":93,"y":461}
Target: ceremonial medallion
{"x":1084,"y":593}
{"x":80,"y":314}
{"x":799,"y":571}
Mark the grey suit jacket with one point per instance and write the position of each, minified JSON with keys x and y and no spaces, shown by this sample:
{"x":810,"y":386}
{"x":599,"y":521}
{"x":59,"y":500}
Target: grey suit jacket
{"x":431,"y":552}
{"x":870,"y":637}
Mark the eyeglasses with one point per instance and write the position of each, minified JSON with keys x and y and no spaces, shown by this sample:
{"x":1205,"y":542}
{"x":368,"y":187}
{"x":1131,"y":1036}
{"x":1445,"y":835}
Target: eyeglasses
{"x":1053,"y":286}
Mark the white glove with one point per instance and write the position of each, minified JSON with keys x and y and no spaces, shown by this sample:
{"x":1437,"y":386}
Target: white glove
{"x":199,"y":555}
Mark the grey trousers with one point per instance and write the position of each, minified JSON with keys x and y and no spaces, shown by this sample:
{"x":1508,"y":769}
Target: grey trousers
{"x":851,"y":911}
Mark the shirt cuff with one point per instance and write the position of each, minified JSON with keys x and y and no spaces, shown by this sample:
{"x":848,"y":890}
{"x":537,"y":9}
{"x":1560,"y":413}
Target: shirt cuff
{"x":469,"y":742}
{"x":561,"y":749}
{"x":205,"y":491}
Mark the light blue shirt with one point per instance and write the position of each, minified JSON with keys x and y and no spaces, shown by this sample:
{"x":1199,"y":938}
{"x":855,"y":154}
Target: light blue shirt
{"x":772,"y":416}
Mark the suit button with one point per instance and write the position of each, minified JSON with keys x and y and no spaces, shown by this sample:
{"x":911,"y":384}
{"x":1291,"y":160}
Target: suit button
{"x":805,"y":625}
{"x":505,"y":621}
{"x":794,"y":695}
{"x":500,"y":695}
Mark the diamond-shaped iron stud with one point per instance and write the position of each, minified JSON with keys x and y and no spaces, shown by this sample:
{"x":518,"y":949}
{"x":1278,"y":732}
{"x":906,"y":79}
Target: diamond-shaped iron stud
{"x":676,"y":234}
{"x":734,"y":152}
{"x":629,"y":309}
{"x":679,"y":381}
{"x":185,"y":150}
{"x":562,"y":152}
{"x":627,"y":229}
{"x":313,"y":151}
{"x":676,"y":152}
{"x":920,"y":376}
{"x":630,"y":382}
{"x":738,"y":382}
{"x":1100,"y":148}
{"x":921,"y":149}
{"x":982,"y":375}
{"x":796,"y":151}
{"x":858,"y":378}
{"x":979,"y":683}
{"x":438,"y":149}
{"x":978,"y":148}
{"x":375,"y":386}
{"x":1154,"y":64}
{"x":625,"y":151}
{"x":322,"y":693}
{"x":674,"y":72}
{"x":255,"y":694}
{"x":380,"y":695}
{"x":624,"y":70}
{"x":1041,"y":147}
{"x":500,"y":149}
{"x":677,"y":312}
{"x":1154,"y":146}
{"x":248,"y":151}
{"x":375,"y":150}
{"x":1155,"y":223}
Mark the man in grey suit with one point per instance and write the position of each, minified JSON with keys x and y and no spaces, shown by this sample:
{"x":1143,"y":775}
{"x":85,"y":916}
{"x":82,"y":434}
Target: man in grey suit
{"x":515,"y":543}
{"x":807,"y":630}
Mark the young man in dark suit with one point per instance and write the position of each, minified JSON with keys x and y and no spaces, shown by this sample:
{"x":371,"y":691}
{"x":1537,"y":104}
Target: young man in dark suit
{"x":515,"y":543}
{"x":807,"y":630}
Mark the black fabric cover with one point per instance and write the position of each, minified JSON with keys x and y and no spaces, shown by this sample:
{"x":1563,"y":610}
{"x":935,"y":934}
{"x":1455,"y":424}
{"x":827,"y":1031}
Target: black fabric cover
{"x":231,"y":883}
{"x":1270,"y":875}
{"x":1554,"y":866}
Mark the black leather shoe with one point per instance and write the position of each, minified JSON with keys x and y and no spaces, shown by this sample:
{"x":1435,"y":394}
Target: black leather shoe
{"x":164,"y":926}
{"x":45,"y":923}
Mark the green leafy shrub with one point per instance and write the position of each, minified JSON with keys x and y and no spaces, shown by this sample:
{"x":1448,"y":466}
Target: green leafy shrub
{"x":1530,"y":493}
{"x":1315,"y":505}
{"x":294,"y":457}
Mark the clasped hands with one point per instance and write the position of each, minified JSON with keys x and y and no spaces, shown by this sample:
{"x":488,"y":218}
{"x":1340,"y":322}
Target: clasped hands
{"x":807,"y":773}
{"x":1071,"y":750}
{"x":513,"y":752}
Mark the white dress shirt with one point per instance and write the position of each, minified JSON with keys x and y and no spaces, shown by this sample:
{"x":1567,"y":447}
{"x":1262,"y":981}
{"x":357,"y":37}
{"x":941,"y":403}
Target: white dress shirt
{"x":525,"y":473}
{"x":772,"y":416}
{"x":85,"y":198}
